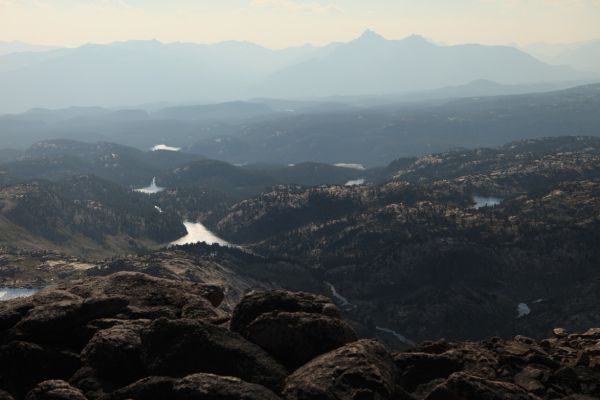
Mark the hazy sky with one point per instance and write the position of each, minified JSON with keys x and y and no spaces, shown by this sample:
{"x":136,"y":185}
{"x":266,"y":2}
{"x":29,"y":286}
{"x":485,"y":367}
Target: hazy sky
{"x":281,"y":23}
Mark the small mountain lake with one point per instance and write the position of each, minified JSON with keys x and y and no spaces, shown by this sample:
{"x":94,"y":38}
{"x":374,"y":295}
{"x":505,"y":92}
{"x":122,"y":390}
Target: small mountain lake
{"x":357,"y":182}
{"x":197,"y":233}
{"x":359,"y":167}
{"x":151,"y":189}
{"x":482,"y":201}
{"x":523,"y":310}
{"x":12,"y":293}
{"x":164,"y":147}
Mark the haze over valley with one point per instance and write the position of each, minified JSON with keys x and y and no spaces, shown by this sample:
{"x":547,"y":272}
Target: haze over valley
{"x":145,"y":72}
{"x":262,"y":199}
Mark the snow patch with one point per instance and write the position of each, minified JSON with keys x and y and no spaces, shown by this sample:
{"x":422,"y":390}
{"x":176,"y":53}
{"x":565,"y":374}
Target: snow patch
{"x":356,"y":182}
{"x":164,"y":147}
{"x":523,"y":310}
{"x":359,"y":167}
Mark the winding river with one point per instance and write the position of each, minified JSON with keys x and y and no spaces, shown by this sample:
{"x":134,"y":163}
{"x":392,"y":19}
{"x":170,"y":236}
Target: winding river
{"x":401,"y":338}
{"x":344,"y":301}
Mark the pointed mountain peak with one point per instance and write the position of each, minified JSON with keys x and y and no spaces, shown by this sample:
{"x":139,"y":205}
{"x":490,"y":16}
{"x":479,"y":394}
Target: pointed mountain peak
{"x":370,"y":35}
{"x":416,"y":39}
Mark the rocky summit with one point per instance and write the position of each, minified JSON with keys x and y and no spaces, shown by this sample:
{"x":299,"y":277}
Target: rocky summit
{"x":133,"y":336}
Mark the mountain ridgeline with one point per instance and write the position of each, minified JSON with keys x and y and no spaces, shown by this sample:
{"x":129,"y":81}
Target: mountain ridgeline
{"x":348,"y":130}
{"x":417,"y":254}
{"x":409,"y":248}
{"x":78,"y":197}
{"x":83,"y":215}
{"x":408,"y":252}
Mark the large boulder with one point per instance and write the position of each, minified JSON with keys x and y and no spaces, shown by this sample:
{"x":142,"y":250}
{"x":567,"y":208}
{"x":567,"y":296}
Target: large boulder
{"x":360,"y":370}
{"x":11,"y":312}
{"x":294,"y":338}
{"x":14,"y":310}
{"x":182,"y":347}
{"x":116,"y":353}
{"x":256,"y":303}
{"x":59,"y":316}
{"x":50,"y":323}
{"x":146,"y":291}
{"x":23,"y":364}
{"x":213,"y":387}
{"x":93,"y":386}
{"x":193,"y":387}
{"x":64,"y":322}
{"x":5,"y":395}
{"x":462,"y":386}
{"x":55,"y":390}
{"x":294,"y":327}
{"x":165,"y":341}
{"x":418,"y":368}
{"x":150,"y":388}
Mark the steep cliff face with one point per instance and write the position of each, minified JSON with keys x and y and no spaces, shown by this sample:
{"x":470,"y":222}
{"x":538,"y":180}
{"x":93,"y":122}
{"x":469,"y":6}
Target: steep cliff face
{"x":133,"y":336}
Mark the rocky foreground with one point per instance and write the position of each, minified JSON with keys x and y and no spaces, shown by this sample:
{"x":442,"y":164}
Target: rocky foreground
{"x":133,"y":336}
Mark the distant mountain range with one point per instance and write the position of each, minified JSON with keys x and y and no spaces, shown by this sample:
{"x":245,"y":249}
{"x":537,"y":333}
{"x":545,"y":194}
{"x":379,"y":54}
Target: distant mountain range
{"x":19,"y":47}
{"x":373,"y":65}
{"x":376,"y":135}
{"x":369,"y":130}
{"x":60,"y":159}
{"x":76,"y":196}
{"x":139,"y":72}
{"x":584,"y":56}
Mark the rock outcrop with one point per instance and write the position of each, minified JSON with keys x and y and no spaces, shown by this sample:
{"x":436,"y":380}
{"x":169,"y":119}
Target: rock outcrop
{"x":197,"y":386}
{"x":132,"y":336}
{"x":359,"y":370}
{"x":563,"y":367}
{"x":183,"y":346}
{"x":294,"y":328}
{"x":55,"y":390}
